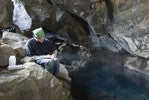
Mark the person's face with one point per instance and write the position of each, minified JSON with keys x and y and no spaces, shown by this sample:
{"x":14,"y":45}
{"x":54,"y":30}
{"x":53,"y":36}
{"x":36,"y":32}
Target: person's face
{"x":41,"y":40}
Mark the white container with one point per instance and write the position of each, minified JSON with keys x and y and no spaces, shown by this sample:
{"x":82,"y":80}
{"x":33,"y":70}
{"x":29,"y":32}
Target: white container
{"x":15,"y":67}
{"x":12,"y":61}
{"x":12,"y":64}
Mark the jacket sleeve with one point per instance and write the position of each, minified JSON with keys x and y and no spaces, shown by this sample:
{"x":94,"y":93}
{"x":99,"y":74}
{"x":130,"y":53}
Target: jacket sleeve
{"x":29,"y":51}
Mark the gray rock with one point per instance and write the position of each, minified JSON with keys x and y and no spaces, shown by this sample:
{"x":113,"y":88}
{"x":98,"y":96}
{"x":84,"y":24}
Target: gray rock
{"x":14,"y":39}
{"x":63,"y":73}
{"x":109,"y":44}
{"x":126,"y":21}
{"x":137,"y":64}
{"x":131,"y":26}
{"x":136,"y":46}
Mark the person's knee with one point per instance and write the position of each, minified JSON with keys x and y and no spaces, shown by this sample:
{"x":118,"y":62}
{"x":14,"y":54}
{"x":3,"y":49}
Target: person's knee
{"x":56,"y":61}
{"x":51,"y":63}
{"x":53,"y":66}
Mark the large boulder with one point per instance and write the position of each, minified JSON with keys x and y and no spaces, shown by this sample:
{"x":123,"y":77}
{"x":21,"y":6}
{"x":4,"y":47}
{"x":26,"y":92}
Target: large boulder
{"x":5,"y":51}
{"x":17,"y":42}
{"x":32,"y":83}
{"x":14,"y":39}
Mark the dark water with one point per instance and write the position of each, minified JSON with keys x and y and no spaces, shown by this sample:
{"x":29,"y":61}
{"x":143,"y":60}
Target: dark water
{"x":100,"y":81}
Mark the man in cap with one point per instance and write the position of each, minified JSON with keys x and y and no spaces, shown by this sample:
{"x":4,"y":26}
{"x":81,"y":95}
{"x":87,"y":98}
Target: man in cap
{"x":41,"y":50}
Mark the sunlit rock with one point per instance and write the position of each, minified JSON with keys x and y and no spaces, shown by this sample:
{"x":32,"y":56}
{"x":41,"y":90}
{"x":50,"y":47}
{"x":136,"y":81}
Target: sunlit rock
{"x":20,"y":16}
{"x":125,"y":20}
{"x":17,"y":42}
{"x":32,"y":83}
{"x":14,"y":39}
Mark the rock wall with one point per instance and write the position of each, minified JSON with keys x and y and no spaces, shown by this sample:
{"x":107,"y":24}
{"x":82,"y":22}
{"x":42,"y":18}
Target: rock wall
{"x":126,"y":21}
{"x":83,"y":21}
{"x":131,"y":26}
{"x":92,"y":11}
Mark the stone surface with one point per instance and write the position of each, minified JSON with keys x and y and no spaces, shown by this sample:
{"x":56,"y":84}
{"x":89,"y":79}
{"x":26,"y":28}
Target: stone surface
{"x":125,"y":20}
{"x":94,"y":12}
{"x":20,"y":16}
{"x":53,"y":19}
{"x":5,"y":52}
{"x":5,"y":13}
{"x":14,"y":39}
{"x":137,"y":64}
{"x":17,"y":42}
{"x":131,"y":26}
{"x":105,"y":78}
{"x":84,"y":21}
{"x":111,"y":24}
{"x":20,"y":54}
{"x":71,"y":28}
{"x":32,"y":83}
{"x":108,"y":43}
{"x":41,"y":12}
{"x":63,"y":73}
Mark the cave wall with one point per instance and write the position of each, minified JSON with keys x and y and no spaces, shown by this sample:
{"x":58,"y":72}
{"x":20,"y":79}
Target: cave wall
{"x":124,"y":23}
{"x":44,"y":14}
{"x":131,"y":26}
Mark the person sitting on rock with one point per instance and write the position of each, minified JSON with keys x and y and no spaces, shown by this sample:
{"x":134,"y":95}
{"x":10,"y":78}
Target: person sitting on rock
{"x":43,"y":51}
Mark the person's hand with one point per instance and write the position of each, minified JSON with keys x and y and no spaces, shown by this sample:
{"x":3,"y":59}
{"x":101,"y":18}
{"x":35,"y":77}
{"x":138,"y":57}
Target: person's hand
{"x":47,"y":56}
{"x":53,"y":56}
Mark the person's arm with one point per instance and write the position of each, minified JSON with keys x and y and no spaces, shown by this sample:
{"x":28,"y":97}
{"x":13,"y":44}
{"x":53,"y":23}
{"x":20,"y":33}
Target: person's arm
{"x":29,"y":51}
{"x":52,"y":50}
{"x":55,"y":53}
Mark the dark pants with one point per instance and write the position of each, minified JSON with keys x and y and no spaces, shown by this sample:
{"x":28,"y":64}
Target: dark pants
{"x":52,"y":65}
